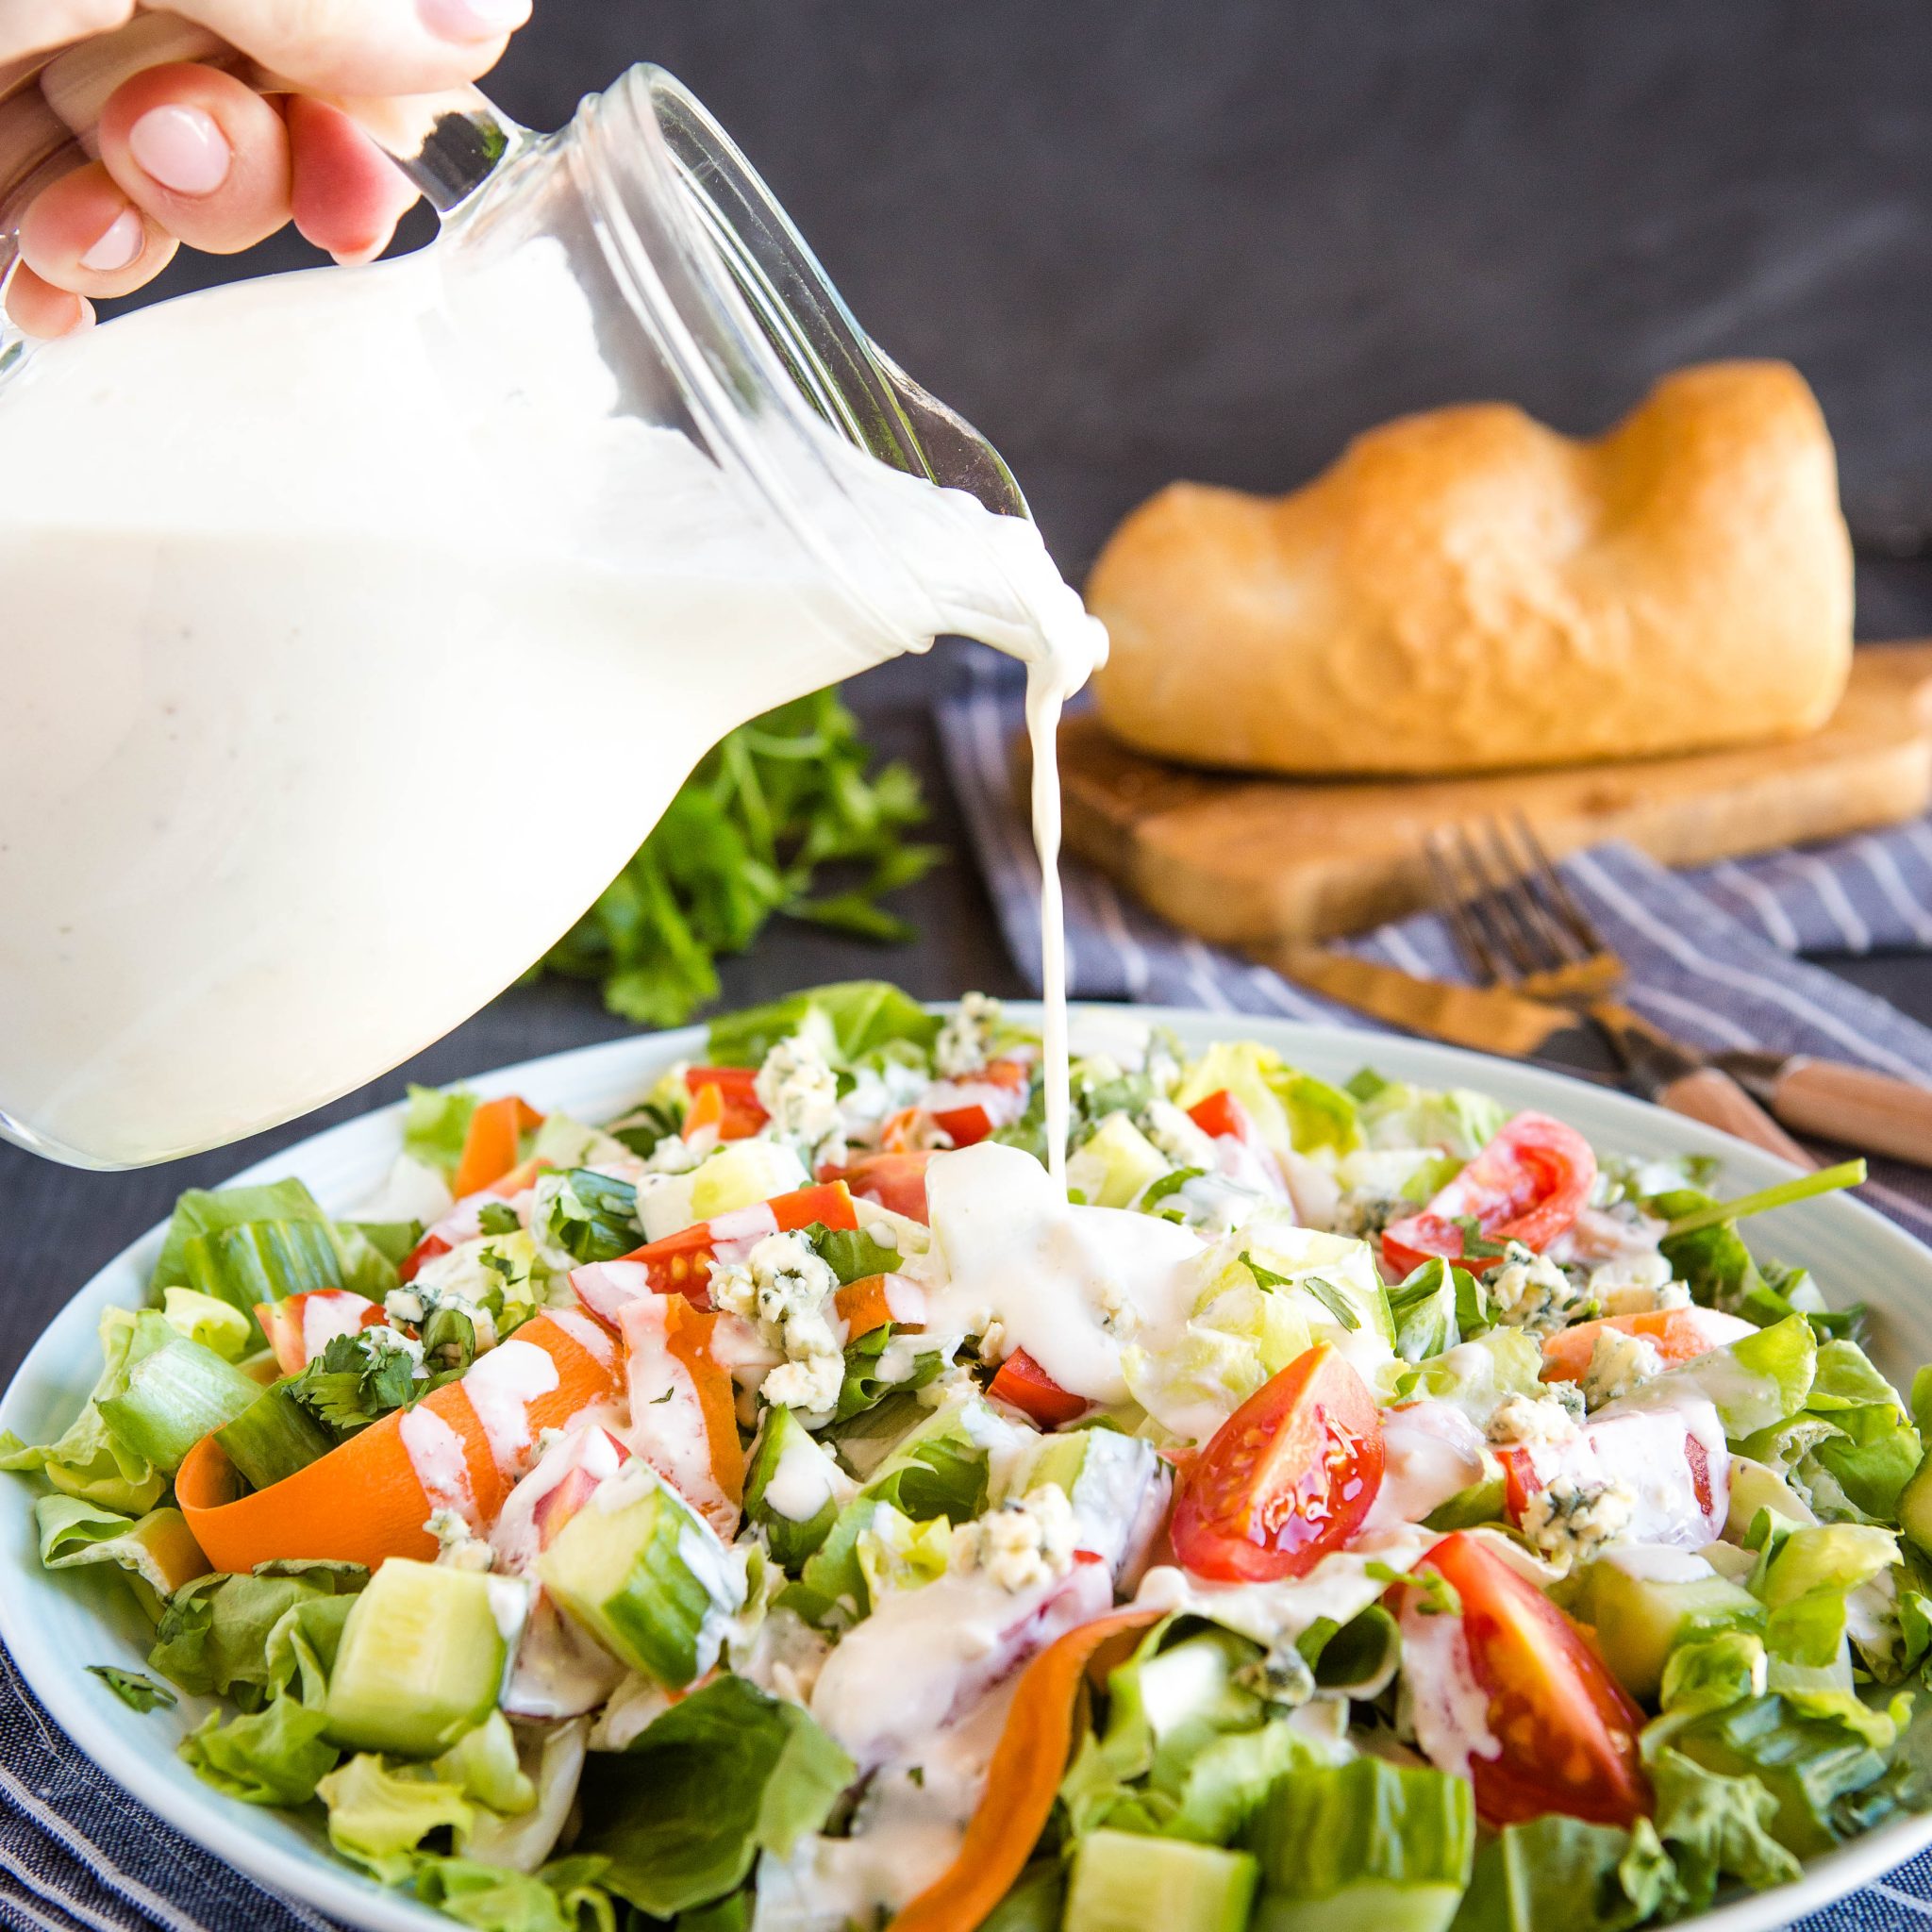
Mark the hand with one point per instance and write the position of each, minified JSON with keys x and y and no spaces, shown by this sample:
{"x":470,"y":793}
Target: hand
{"x":190,"y":154}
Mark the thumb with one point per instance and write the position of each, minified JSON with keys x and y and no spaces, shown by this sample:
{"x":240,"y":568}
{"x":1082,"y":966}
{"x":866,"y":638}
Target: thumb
{"x":365,"y":46}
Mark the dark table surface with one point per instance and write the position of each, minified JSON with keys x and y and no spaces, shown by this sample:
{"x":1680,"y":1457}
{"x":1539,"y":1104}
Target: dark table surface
{"x":1141,"y":239}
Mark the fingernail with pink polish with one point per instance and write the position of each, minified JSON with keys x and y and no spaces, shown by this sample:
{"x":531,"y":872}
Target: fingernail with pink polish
{"x":124,"y":238}
{"x":473,"y":19}
{"x":182,"y":148}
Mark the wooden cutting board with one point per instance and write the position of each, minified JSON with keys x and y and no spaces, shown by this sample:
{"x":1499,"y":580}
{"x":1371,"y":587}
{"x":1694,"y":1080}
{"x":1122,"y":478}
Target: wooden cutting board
{"x":1245,"y":861}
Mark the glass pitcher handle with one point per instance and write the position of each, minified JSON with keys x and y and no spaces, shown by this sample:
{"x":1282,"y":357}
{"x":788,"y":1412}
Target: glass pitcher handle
{"x":448,"y":144}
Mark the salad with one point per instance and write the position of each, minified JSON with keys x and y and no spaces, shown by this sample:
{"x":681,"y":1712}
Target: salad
{"x":779,"y":1508}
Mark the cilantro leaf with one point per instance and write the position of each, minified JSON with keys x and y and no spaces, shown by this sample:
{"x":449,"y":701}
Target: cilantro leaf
{"x":353,"y":1382}
{"x":1172,"y":1183}
{"x":135,"y":1688}
{"x":1333,"y":1300}
{"x":497,"y":1217}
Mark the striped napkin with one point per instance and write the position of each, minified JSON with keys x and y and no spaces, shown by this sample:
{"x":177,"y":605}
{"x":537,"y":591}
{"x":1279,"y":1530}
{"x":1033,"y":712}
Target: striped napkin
{"x":1712,"y":959}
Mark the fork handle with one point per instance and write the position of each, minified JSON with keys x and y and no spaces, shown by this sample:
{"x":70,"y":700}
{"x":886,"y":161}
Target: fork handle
{"x":1867,"y":1111}
{"x":1711,"y":1095}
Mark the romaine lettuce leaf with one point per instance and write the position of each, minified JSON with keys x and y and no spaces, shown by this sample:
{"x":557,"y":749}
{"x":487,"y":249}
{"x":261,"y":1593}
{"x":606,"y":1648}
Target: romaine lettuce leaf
{"x":88,"y":1459}
{"x":214,"y":1324}
{"x":435,"y":1123}
{"x":849,"y":1019}
{"x":726,"y":1774}
{"x":1561,"y":1874}
{"x":214,"y":1635}
{"x":158,"y":1549}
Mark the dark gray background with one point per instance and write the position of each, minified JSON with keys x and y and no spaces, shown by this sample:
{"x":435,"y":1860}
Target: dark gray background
{"x":1139,"y":239}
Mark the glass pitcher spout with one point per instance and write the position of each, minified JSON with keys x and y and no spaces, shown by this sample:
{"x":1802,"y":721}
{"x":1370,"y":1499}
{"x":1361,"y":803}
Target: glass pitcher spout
{"x":852,"y":383}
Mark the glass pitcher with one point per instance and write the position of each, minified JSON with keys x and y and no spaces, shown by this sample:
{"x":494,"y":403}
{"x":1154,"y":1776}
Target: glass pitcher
{"x":359,"y":623}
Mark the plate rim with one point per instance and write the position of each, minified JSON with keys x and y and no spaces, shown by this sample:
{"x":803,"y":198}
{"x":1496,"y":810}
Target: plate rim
{"x":324,"y":1882}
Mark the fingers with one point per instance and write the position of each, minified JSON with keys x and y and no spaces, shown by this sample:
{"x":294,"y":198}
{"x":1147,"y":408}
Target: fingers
{"x":204,"y":158}
{"x":32,"y":27}
{"x":84,"y":235}
{"x":366,"y":46}
{"x":348,"y":195}
{"x":41,"y":309}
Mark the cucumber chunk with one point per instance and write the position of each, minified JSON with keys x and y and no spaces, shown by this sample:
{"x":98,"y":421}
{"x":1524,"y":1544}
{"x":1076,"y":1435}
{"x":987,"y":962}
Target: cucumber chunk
{"x":1122,"y":1882}
{"x":420,"y":1662}
{"x":645,"y":1576}
{"x":1114,"y":1163}
{"x":1641,"y":1614}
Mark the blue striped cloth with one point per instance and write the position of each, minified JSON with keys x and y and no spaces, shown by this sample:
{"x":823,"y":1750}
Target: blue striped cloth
{"x":1712,"y":955}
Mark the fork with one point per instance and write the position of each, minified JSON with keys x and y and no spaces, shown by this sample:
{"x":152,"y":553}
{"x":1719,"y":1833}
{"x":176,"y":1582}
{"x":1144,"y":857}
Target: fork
{"x":1519,"y":926}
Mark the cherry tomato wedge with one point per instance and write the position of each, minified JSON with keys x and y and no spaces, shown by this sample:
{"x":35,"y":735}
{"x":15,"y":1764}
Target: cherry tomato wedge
{"x":302,"y":1327}
{"x":1028,"y":1387}
{"x":681,"y":1263}
{"x":1221,"y":1113}
{"x":897,"y":1181}
{"x":738,"y":1112}
{"x":1526,"y":1186}
{"x":1287,"y":1479}
{"x":1566,"y":1729}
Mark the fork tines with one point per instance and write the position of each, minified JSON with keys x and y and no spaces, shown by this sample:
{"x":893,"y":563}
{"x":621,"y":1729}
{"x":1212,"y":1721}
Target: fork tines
{"x":1506,"y":904}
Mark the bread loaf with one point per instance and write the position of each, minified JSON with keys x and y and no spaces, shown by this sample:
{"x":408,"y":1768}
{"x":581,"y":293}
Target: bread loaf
{"x":1467,"y":591}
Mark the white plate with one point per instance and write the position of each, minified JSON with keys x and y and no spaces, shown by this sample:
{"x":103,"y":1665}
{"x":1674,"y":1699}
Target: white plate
{"x":55,"y":1623}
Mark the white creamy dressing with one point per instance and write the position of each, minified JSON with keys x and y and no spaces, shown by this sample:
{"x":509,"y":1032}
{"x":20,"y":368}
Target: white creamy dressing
{"x":1338,"y":1588}
{"x":667,"y":1419}
{"x":436,"y":1455}
{"x":328,"y":1315}
{"x":606,"y":1287}
{"x":1054,"y":1277}
{"x":1645,"y":1450}
{"x":501,"y":1386}
{"x":1431,"y":1450}
{"x":806,"y":1480}
{"x":1449,"y":1709}
{"x":242,"y":721}
{"x":591,"y":1336}
{"x":1658,"y":1562}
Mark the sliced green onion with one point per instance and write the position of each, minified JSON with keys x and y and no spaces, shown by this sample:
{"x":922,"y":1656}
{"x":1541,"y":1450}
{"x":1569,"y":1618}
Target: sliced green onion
{"x":1828,"y":1180}
{"x":273,"y":1438}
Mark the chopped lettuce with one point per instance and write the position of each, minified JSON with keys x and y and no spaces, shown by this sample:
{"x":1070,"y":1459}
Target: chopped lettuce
{"x":214,"y":1636}
{"x":88,"y":1459}
{"x":1457,"y":1120}
{"x":729,"y":1772}
{"x":1291,"y":1110}
{"x":435,"y":1122}
{"x":274,"y":1755}
{"x":1474,"y":1376}
{"x":158,"y":1549}
{"x":848,"y":1021}
{"x":1562,"y":1874}
{"x":215,"y":1324}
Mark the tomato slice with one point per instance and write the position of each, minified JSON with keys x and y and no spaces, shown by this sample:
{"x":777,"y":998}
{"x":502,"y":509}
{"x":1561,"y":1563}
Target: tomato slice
{"x":423,"y":1252}
{"x":964,"y":1126}
{"x":1567,"y":1730}
{"x":1221,"y":1113}
{"x":681,"y":1263}
{"x":1028,"y":1387}
{"x":315,"y":1317}
{"x":1527,"y":1184}
{"x":739,"y":1112}
{"x":895,"y":1181}
{"x":1287,"y":1479}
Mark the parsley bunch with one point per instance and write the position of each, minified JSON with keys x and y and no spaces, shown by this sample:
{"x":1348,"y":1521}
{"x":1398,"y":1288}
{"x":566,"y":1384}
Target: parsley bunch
{"x":749,"y":835}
